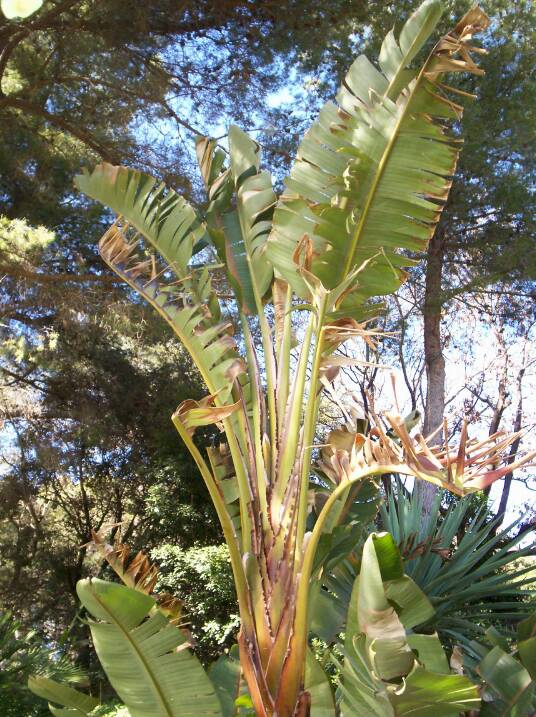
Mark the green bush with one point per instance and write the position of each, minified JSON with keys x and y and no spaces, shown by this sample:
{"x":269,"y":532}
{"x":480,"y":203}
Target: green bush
{"x":202,"y":579}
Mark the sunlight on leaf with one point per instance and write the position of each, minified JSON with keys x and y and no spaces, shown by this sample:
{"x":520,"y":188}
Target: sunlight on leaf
{"x":20,"y":8}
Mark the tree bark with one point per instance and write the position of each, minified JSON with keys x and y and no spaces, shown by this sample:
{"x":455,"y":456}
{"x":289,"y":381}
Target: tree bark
{"x":518,"y":421}
{"x":433,"y":354}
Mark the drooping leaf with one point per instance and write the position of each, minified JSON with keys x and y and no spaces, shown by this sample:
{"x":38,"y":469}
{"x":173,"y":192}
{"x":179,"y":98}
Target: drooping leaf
{"x":170,"y":225}
{"x":76,"y":702}
{"x":146,"y":659}
{"x":186,"y":306}
{"x":194,"y":414}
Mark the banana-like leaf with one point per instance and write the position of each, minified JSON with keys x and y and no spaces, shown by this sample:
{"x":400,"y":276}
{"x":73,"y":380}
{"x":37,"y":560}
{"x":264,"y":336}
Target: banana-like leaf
{"x":228,"y":681}
{"x":75,"y":703}
{"x":255,"y":202}
{"x":317,"y":684}
{"x":372,"y":176}
{"x":430,"y":694}
{"x":510,"y":683}
{"x":164,"y":218}
{"x":239,"y":231}
{"x":385,"y":671}
{"x":170,"y":225}
{"x":377,"y":618}
{"x":146,"y":659}
{"x":190,"y":312}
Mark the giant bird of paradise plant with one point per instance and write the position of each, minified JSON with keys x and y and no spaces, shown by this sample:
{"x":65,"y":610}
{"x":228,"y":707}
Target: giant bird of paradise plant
{"x":368,"y":185}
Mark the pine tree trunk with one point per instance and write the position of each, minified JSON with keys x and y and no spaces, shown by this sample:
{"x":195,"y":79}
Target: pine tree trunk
{"x":433,"y":354}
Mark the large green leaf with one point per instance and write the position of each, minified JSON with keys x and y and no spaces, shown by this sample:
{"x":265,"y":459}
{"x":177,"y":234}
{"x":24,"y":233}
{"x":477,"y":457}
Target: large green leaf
{"x":255,"y":200}
{"x":511,"y":684}
{"x":145,"y":658}
{"x":239,"y":230}
{"x":227,"y":678}
{"x":377,"y":618}
{"x":164,"y":218}
{"x":371,"y":176}
{"x":75,"y":702}
{"x":387,"y":672}
{"x":171,"y":226}
{"x":318,"y":686}
{"x":431,"y":694}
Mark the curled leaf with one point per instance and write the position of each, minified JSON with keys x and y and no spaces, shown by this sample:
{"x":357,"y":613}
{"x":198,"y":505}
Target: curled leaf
{"x":193,"y":414}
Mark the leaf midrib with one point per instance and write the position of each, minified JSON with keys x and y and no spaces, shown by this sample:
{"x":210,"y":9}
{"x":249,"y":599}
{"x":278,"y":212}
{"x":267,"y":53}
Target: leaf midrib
{"x":404,"y":64}
{"x":160,"y":695}
{"x":381,"y":168}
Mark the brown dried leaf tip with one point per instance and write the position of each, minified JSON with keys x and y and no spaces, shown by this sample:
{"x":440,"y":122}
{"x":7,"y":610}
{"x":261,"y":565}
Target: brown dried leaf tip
{"x":471,"y":466}
{"x":138,"y":573}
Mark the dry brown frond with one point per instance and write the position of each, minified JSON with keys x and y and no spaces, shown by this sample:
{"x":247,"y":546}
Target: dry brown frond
{"x":138,"y":573}
{"x":470,"y":466}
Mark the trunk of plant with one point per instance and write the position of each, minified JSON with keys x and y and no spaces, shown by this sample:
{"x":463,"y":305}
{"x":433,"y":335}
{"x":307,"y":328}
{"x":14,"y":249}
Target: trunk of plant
{"x":518,"y":422}
{"x":433,"y":355}
{"x":273,"y":654}
{"x":502,"y":389}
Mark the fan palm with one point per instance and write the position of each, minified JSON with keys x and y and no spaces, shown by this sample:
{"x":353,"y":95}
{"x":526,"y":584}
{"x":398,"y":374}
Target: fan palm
{"x":24,"y":653}
{"x":468,"y":568}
